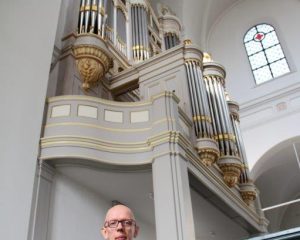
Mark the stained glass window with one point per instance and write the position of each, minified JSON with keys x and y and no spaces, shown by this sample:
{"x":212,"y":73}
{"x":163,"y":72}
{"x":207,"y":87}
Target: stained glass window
{"x":265,"y":54}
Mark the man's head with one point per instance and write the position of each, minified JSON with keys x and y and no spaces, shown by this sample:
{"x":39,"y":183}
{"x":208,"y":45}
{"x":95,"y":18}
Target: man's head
{"x":119,"y":224}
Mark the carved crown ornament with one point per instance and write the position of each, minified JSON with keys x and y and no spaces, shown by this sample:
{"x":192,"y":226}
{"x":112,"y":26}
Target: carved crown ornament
{"x":208,"y":151}
{"x":231,"y":167}
{"x":248,"y":192}
{"x":92,"y":59}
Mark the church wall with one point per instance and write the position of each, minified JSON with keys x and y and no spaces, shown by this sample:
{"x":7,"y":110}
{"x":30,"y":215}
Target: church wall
{"x":275,"y":102}
{"x":77,"y":212}
{"x":25,"y":59}
{"x":206,"y":216}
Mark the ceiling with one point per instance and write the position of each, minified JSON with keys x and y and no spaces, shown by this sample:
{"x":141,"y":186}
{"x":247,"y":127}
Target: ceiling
{"x":198,"y":16}
{"x":277,"y":176}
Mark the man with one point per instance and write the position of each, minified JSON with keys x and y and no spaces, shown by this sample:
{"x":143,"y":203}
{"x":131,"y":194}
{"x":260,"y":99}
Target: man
{"x":119,"y":224}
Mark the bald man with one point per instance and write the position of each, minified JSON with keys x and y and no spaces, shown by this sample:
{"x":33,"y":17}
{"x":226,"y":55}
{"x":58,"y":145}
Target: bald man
{"x":119,"y":224}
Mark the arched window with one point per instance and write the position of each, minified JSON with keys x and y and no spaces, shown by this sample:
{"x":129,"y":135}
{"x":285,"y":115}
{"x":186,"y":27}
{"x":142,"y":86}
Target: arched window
{"x":265,"y":54}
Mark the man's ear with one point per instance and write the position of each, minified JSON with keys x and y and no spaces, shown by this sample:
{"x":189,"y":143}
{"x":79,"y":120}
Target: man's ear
{"x":136,"y":231}
{"x":104,"y":232}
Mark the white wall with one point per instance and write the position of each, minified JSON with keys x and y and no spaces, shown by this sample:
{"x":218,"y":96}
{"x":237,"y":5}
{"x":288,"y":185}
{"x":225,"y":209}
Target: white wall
{"x":263,"y":122}
{"x":211,"y":223}
{"x":78,"y":213}
{"x":26,"y":43}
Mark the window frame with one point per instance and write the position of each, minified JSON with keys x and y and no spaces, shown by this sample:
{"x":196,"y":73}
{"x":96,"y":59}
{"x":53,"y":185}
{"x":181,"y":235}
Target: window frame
{"x":269,"y":63}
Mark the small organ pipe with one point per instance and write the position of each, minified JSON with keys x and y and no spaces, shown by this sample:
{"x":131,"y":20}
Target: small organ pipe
{"x":133,"y":32}
{"x":93,"y":12}
{"x":144,"y":31}
{"x":81,"y":16}
{"x":87,"y":15}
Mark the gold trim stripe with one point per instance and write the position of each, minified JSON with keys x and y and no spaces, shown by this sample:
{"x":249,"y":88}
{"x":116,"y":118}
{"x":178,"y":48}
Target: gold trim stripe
{"x":49,"y":125}
{"x":225,"y":136}
{"x":202,"y":118}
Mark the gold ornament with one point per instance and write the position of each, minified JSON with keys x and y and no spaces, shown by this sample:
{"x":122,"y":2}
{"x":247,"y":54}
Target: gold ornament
{"x":92,"y":60}
{"x":231,"y":167}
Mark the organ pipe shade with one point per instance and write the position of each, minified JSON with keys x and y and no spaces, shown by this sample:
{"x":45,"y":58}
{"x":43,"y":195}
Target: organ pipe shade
{"x":140,"y":36}
{"x":121,"y":25}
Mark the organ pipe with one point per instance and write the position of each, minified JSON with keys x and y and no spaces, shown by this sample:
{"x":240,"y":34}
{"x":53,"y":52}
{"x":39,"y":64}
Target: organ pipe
{"x":229,"y":162}
{"x":206,"y":145}
{"x":140,"y":34}
{"x":246,"y":186}
{"x":92,"y":17}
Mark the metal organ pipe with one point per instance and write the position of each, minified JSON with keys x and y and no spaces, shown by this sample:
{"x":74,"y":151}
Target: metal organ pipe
{"x":223,"y":128}
{"x":81,"y":16}
{"x":92,"y":17}
{"x":140,"y":32}
{"x":93,"y":10}
{"x":198,"y":94}
{"x":192,"y":95}
{"x":146,"y":34}
{"x":87,"y":15}
{"x":214,"y":109}
{"x":197,"y":103}
{"x":201,"y":115}
{"x":133,"y":32}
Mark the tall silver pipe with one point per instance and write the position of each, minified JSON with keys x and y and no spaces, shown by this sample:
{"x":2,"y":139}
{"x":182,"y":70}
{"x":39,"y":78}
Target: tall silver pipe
{"x":87,"y":15}
{"x":210,"y":106}
{"x":99,"y":19}
{"x":93,"y":12}
{"x":197,"y":118}
{"x":81,"y":16}
{"x":144,"y":32}
{"x":215,"y":110}
{"x":223,"y":131}
{"x":136,"y":32}
{"x":229,"y":126}
{"x":200,"y":117}
{"x":192,"y":96}
{"x":205,"y":102}
{"x":133,"y":32}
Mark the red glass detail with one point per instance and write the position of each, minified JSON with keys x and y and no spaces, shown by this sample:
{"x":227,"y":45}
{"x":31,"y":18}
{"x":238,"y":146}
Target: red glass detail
{"x":259,"y":36}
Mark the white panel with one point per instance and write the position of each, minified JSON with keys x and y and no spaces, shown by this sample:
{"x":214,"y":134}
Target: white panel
{"x":60,"y":111}
{"x":142,"y":116}
{"x":154,"y":89}
{"x":113,"y":116}
{"x":87,"y":111}
{"x":184,"y":127}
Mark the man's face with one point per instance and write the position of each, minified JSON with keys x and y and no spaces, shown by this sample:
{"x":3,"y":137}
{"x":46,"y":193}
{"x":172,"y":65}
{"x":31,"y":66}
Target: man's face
{"x":116,"y":227}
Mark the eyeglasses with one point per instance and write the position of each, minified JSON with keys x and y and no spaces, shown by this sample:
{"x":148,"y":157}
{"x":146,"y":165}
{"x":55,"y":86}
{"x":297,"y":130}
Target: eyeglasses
{"x":114,"y":223}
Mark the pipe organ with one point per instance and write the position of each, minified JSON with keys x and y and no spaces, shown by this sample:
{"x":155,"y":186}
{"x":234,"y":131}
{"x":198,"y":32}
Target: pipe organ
{"x":140,"y":37}
{"x":92,"y":17}
{"x":122,"y":34}
{"x":246,"y":185}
